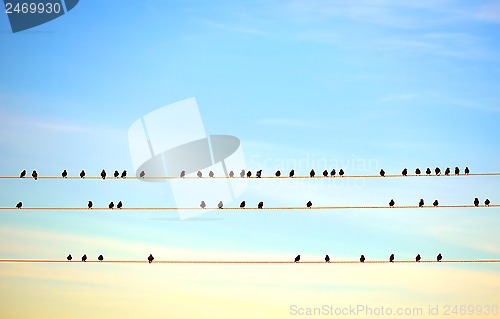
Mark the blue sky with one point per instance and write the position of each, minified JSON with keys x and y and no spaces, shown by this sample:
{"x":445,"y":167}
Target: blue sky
{"x":380,"y":82}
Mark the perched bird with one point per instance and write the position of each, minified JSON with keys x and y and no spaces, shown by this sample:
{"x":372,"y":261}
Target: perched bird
{"x":327,"y":258}
{"x":333,"y":172}
{"x":23,"y":174}
{"x":64,"y":174}
{"x":467,"y":171}
{"x":199,"y":174}
{"x":297,"y":259}
{"x":391,"y":203}
{"x":231,"y":174}
{"x":111,"y":205}
{"x":69,"y":257}
{"x":119,"y":205}
{"x":447,"y":171}
{"x":183,"y":174}
{"x":124,"y":174}
{"x":19,"y":205}
{"x":417,"y":171}
{"x":142,"y":174}
{"x":150,"y":258}
{"x":391,"y":258}
{"x":100,"y":258}
{"x":437,"y":170}
{"x":259,"y":173}
{"x":202,"y":204}
{"x":242,"y":204}
{"x":90,"y":204}
{"x":34,"y":175}
{"x":341,"y":172}
{"x":249,"y":174}
{"x":210,"y":174}
{"x":309,"y":204}
{"x":84,"y":258}
{"x":382,"y":172}
{"x":476,"y":202}
{"x":242,"y":173}
{"x":487,"y":202}
{"x":404,"y":172}
{"x":428,"y":171}
{"x":436,"y":203}
{"x":116,"y":174}
{"x":362,"y":259}
{"x":292,"y":173}
{"x":439,"y":257}
{"x":103,"y":174}
{"x":260,"y":205}
{"x":325,"y":173}
{"x":278,"y":173}
{"x":312,"y":173}
{"x":82,"y":174}
{"x":421,"y":203}
{"x":457,"y":170}
{"x":220,"y":205}
{"x":417,"y":258}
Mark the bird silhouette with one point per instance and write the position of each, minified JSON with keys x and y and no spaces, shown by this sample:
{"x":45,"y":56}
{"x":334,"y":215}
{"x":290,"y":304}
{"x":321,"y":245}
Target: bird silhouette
{"x":69,"y":258}
{"x":124,"y":174}
{"x":119,"y":205}
{"x":103,"y":174}
{"x":211,"y":174}
{"x":100,"y":258}
{"x":82,"y":174}
{"x":436,"y":203}
{"x":199,"y":174}
{"x":309,"y":204}
{"x":391,"y":203}
{"x":467,"y":171}
{"x":116,"y":174}
{"x":202,"y":204}
{"x":439,"y":257}
{"x":183,"y":174}
{"x":64,"y":174}
{"x":242,"y":204}
{"x":111,"y":205}
{"x":437,"y":170}
{"x":292,"y":173}
{"x":333,"y":172}
{"x":220,"y":205}
{"x":487,"y":202}
{"x":327,"y":258}
{"x":391,"y":258}
{"x":249,"y":174}
{"x":84,"y":258}
{"x":142,"y":174}
{"x":34,"y":175}
{"x":476,"y":202}
{"x":259,"y":173}
{"x":382,"y":172}
{"x":428,"y":171}
{"x":19,"y":205}
{"x":325,"y":173}
{"x":341,"y":172}
{"x":312,"y":173}
{"x":278,"y":173}
{"x":417,"y":171}
{"x":297,"y":259}
{"x":150,"y":258}
{"x":421,"y":203}
{"x":231,"y":174}
{"x":404,"y":172}
{"x":417,"y":258}
{"x":447,"y":171}
{"x":362,"y":259}
{"x":457,"y":170}
{"x":242,"y":173}
{"x":260,"y":205}
{"x":23,"y":174}
{"x":90,"y":204}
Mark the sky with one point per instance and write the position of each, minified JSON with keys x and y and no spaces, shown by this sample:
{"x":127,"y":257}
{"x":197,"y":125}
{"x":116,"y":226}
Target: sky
{"x":359,"y":85}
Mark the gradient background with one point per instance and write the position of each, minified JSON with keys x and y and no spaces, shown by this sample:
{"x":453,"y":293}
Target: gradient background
{"x":358,"y":85}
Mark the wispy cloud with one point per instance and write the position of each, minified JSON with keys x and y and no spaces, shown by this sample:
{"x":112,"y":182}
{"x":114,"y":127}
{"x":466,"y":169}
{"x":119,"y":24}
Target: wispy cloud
{"x":489,"y":13}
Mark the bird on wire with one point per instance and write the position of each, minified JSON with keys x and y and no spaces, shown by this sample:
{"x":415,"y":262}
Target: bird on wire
{"x":242,"y":204}
{"x":309,"y":204}
{"x":231,"y":174}
{"x":84,"y":258}
{"x":327,"y":258}
{"x":312,"y":173}
{"x":202,"y":204}
{"x":362,"y":259}
{"x":249,"y":174}
{"x":150,"y":258}
{"x":382,"y":172}
{"x":341,"y":172}
{"x":116,"y":174}
{"x":111,"y":205}
{"x":211,"y":174}
{"x":82,"y":174}
{"x":183,"y":174}
{"x":260,"y":205}
{"x":90,"y":204}
{"x":34,"y":175}
{"x":278,"y":173}
{"x":199,"y":174}
{"x":436,"y":203}
{"x":142,"y":174}
{"x":417,"y":171}
{"x":391,"y":258}
{"x":447,"y":171}
{"x":124,"y":174}
{"x":297,"y":259}
{"x":119,"y":205}
{"x":333,"y":172}
{"x":292,"y":173}
{"x":242,"y":173}
{"x":428,"y":171}
{"x":64,"y":174}
{"x":476,"y":202}
{"x":69,"y":258}
{"x":437,"y":170}
{"x":404,"y":172}
{"x":220,"y":205}
{"x":103,"y":174}
{"x":100,"y":258}
{"x":259,"y":173}
{"x":23,"y":174}
{"x":421,"y":203}
{"x":439,"y":257}
{"x":391,"y":203}
{"x":457,"y":170}
{"x":467,"y":171}
{"x":487,"y":202}
{"x":19,"y":205}
{"x":325,"y":173}
{"x":417,"y":258}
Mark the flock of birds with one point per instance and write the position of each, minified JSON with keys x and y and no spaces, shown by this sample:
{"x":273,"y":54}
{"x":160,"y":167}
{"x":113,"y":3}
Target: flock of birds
{"x":101,"y":258}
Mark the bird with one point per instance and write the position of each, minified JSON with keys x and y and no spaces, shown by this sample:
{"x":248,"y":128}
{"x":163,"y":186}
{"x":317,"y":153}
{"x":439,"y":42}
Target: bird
{"x":220,"y":205}
{"x":199,"y":174}
{"x":417,"y":258}
{"x":119,"y":205}
{"x":309,"y":204}
{"x":111,"y":205}
{"x":428,"y":171}
{"x":82,"y":174}
{"x":116,"y":174}
{"x":124,"y":174}
{"x":391,"y":203}
{"x":231,"y":174}
{"x":404,"y":172}
{"x":325,"y":173}
{"x":312,"y":173}
{"x":142,"y":174}
{"x":439,"y":257}
{"x":417,"y":171}
{"x":183,"y":174}
{"x":391,"y":258}
{"x":447,"y":171}
{"x":242,"y":173}
{"x":260,"y":205}
{"x":487,"y":202}
{"x":382,"y":172}
{"x":436,"y":203}
{"x":242,"y":204}
{"x":297,"y":259}
{"x":467,"y":171}
{"x":457,"y":170}
{"x":476,"y":202}
{"x":259,"y":173}
{"x":103,"y":174}
{"x":341,"y":172}
{"x":69,"y":257}
{"x":333,"y":172}
{"x":437,"y":170}
{"x":34,"y":175}
{"x":210,"y":174}
{"x":421,"y":203}
{"x":150,"y":258}
{"x":100,"y":258}
{"x":362,"y":259}
{"x":19,"y":205}
{"x":84,"y":258}
{"x":202,"y":204}
{"x":249,"y":174}
{"x":292,"y":173}
{"x":23,"y":174}
{"x":278,"y":173}
{"x":64,"y":174}
{"x":90,"y":204}
{"x":327,"y":258}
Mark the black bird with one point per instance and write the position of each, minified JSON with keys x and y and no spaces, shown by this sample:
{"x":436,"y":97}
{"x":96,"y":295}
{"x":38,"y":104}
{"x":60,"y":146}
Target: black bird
{"x":447,"y":171}
{"x":487,"y":202}
{"x":249,"y":174}
{"x":111,"y":205}
{"x":23,"y":174}
{"x":199,"y":174}
{"x":382,"y":173}
{"x":64,"y":174}
{"x":341,"y":172}
{"x":116,"y":174}
{"x":421,"y":203}
{"x":417,"y":171}
{"x":391,"y":258}
{"x":327,"y":258}
{"x":292,"y":173}
{"x":391,"y":203}
{"x":183,"y":174}
{"x":312,"y":173}
{"x":242,"y":204}
{"x":428,"y":171}
{"x":202,"y":204}
{"x":142,"y":174}
{"x":119,"y":205}
{"x":439,"y":257}
{"x":19,"y":205}
{"x":362,"y":259}
{"x":124,"y":174}
{"x":103,"y":174}
{"x":90,"y":204}
{"x":211,"y":174}
{"x":297,"y":259}
{"x":34,"y":175}
{"x":100,"y":258}
{"x":150,"y":258}
{"x":325,"y":173}
{"x":242,"y":173}
{"x":220,"y":205}
{"x":436,"y":203}
{"x":404,"y":172}
{"x":476,"y":202}
{"x":417,"y":258}
{"x":309,"y":204}
{"x":457,"y":170}
{"x":467,"y":171}
{"x":231,"y":174}
{"x":69,"y":257}
{"x":278,"y":173}
{"x":84,"y":258}
{"x":333,"y":172}
{"x":259,"y":173}
{"x":437,"y":170}
{"x":82,"y":174}
{"x":261,"y":204}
